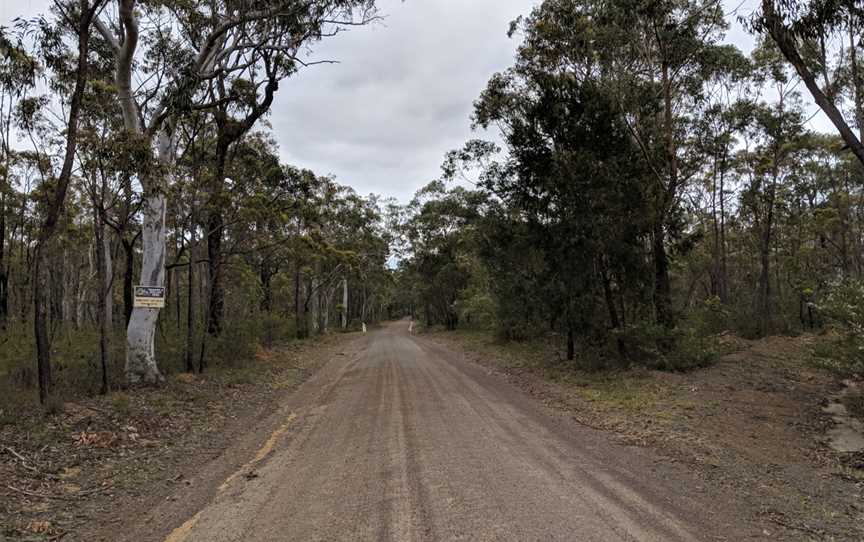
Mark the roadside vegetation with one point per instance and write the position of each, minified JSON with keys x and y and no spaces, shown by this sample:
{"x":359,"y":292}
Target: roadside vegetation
{"x":653,"y":187}
{"x":652,"y":202}
{"x":175,"y":183}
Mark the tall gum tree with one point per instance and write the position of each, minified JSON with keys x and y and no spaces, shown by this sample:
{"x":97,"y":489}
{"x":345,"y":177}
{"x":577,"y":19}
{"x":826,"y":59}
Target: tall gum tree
{"x":187,"y":46}
{"x":799,"y":28}
{"x":56,"y":193}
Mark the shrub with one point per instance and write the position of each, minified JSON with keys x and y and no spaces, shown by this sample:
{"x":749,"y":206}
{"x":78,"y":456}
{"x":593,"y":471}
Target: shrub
{"x":684,"y":348}
{"x":843,"y":307}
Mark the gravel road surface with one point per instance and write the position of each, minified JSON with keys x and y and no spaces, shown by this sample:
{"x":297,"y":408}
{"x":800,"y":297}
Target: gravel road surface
{"x":403,"y":440}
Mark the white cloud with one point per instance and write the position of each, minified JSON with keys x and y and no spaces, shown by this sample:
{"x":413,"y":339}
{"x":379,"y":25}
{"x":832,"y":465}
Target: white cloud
{"x":401,"y":97}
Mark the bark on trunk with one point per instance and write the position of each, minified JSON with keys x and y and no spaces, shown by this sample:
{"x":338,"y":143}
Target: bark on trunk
{"x":662,"y":287}
{"x":344,"y":304}
{"x":190,"y":304}
{"x":103,"y":304}
{"x":787,"y":44}
{"x":141,"y":365}
{"x":128,"y":279}
{"x":266,"y":288}
{"x":763,"y":296}
{"x":55,"y":207}
{"x":215,"y":231}
{"x":299,"y":305}
{"x":4,"y":280}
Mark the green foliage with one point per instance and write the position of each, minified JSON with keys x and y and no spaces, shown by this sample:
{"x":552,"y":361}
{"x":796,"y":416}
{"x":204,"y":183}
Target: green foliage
{"x":710,"y":317}
{"x":843,"y":306}
{"x":121,"y":404}
{"x":690,"y":349}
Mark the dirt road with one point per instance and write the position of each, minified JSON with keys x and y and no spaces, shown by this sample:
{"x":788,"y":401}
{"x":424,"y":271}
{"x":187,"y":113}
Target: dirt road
{"x":402,"y":440}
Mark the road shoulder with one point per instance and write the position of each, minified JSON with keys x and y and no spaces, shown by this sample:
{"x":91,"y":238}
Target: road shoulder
{"x":134,"y":466}
{"x":750,"y":426}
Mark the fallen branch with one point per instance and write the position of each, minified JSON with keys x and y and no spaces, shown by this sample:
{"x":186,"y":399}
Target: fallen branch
{"x":21,"y":458}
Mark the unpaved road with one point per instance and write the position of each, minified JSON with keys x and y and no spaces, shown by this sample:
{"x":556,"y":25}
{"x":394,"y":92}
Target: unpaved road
{"x":405,"y":441}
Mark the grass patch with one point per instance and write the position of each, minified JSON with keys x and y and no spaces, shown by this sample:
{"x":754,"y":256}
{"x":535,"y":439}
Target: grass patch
{"x":121,"y":404}
{"x":628,"y":395}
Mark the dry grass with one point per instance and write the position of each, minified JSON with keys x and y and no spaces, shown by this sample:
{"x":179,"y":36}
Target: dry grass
{"x":752,"y":421}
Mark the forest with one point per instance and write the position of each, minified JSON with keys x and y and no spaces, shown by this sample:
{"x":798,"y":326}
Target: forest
{"x":136,"y":152}
{"x":638,"y":187}
{"x":650,"y":186}
{"x":602,"y":279}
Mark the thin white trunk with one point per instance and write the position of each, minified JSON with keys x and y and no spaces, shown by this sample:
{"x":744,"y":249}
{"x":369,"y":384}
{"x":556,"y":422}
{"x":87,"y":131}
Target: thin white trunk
{"x":344,"y":303}
{"x":327,"y":301}
{"x":141,"y":367}
{"x":109,"y":281}
{"x":316,"y":306}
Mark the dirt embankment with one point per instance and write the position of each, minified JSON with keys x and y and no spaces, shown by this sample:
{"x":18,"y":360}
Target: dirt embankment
{"x":753,"y":423}
{"x":101,"y":461}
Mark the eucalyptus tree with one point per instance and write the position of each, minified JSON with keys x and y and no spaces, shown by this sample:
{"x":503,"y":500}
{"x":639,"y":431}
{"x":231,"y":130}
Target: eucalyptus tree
{"x":18,"y":71}
{"x":439,"y":230}
{"x":573,"y":177}
{"x":187,"y":46}
{"x":55,"y":194}
{"x":716,"y":128}
{"x":651,"y":59}
{"x":810,"y":36}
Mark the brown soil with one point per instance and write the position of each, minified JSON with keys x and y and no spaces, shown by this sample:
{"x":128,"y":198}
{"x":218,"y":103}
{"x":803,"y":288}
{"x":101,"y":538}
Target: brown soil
{"x":752,"y":424}
{"x":85,"y":472}
{"x":403,"y":440}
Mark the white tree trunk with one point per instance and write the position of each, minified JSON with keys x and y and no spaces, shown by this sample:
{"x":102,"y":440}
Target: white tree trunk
{"x":109,"y":281}
{"x":344,"y":304}
{"x":328,"y":299}
{"x":316,"y":306}
{"x":141,"y":365}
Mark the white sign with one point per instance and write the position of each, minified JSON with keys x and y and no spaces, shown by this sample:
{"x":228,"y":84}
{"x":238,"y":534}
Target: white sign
{"x":150,"y":297}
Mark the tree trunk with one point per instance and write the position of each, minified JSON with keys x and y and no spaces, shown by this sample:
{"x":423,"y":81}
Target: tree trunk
{"x":315,"y":291}
{"x":128,"y":279}
{"x":216,"y":303}
{"x":857,"y":80}
{"x":763,"y":296}
{"x":108,"y":260}
{"x":662,"y":287}
{"x":55,"y":207}
{"x":266,"y":276}
{"x":4,"y":279}
{"x":299,"y":305}
{"x":724,"y":273}
{"x":614,"y":319}
{"x":190,"y":304}
{"x":40,"y":322}
{"x":141,"y":367}
{"x":786,"y":42}
{"x":344,"y":304}
{"x":103,"y":294}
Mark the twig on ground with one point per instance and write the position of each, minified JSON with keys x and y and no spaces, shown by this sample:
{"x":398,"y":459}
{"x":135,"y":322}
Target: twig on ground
{"x":21,"y":458}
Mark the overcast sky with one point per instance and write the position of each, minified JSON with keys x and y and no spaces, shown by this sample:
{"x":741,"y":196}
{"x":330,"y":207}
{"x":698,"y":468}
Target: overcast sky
{"x":382,"y":119}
